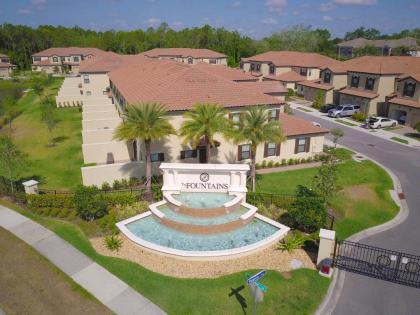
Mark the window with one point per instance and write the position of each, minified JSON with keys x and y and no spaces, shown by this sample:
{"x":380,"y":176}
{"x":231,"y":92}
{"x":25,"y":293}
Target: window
{"x":86,"y":79}
{"x":272,"y":69}
{"x":274,"y":114}
{"x":370,"y":82}
{"x":271,"y":149}
{"x":88,"y":93}
{"x":252,"y":67}
{"x":302,"y":145}
{"x":355,"y":81}
{"x":37,"y":58}
{"x":258,"y":67}
{"x":327,"y":77}
{"x":188,"y":154}
{"x":55,"y":59}
{"x":76,"y":59}
{"x":309,"y":72}
{"x":241,"y":65}
{"x":244,"y":152}
{"x":212,"y":61}
{"x":303,"y":71}
{"x":190,"y":60}
{"x":157,"y":157}
{"x":409,"y":89}
{"x":236,"y":118}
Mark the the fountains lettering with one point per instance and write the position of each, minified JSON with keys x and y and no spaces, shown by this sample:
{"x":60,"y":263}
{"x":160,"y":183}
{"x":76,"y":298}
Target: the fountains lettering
{"x":204,"y":178}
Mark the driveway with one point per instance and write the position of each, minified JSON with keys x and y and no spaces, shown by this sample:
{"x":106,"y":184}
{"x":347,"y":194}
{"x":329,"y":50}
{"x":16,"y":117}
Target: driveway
{"x":363,"y":295}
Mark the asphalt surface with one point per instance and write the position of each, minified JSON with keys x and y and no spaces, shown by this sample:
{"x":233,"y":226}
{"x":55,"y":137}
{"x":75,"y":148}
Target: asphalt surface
{"x":364,"y":295}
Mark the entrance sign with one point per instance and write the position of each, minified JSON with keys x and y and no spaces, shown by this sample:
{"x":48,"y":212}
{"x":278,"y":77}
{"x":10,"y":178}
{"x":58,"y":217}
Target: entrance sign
{"x":256,"y":277}
{"x":228,"y":178}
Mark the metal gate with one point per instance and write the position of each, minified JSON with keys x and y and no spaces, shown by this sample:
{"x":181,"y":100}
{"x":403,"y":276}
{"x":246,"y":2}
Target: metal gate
{"x":377,"y":262}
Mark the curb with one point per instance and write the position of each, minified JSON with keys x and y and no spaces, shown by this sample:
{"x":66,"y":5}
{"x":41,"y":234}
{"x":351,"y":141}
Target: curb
{"x":336,"y":287}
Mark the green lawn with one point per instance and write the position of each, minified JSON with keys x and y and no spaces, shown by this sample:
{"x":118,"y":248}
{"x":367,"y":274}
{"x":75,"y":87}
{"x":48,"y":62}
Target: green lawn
{"x":399,"y":140}
{"x":304,"y":109}
{"x":299,"y":295}
{"x":56,"y":167}
{"x":345,"y":122}
{"x":362,"y":202}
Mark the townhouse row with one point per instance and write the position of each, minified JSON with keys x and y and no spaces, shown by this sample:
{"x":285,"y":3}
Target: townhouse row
{"x":385,"y":86}
{"x":6,"y":67}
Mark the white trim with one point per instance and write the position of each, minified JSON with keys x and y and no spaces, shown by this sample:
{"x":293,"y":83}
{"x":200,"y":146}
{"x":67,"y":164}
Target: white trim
{"x":265,"y":242}
{"x":251,"y":212}
{"x":202,"y":167}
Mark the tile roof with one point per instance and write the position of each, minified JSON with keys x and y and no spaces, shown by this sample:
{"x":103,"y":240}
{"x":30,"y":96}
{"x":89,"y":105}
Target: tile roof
{"x":108,"y":62}
{"x":294,"y":126}
{"x":360,"y":93}
{"x":6,"y":65}
{"x":3,"y":56}
{"x":233,"y":74}
{"x":69,"y":51}
{"x":293,"y":58}
{"x":290,"y":76}
{"x":266,"y":87}
{"x":46,"y":62}
{"x":180,"y":86}
{"x":316,"y":84}
{"x":385,"y":64}
{"x":184,"y":52}
{"x":392,"y":43}
{"x":405,"y":102}
{"x":415,"y":76}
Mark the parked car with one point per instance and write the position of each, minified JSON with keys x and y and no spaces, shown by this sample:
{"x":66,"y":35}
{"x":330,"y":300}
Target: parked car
{"x":326,"y":108}
{"x":380,"y":122}
{"x":343,"y":110}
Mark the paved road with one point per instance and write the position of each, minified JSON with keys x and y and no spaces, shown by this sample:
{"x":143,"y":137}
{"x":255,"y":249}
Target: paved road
{"x":363,"y":295}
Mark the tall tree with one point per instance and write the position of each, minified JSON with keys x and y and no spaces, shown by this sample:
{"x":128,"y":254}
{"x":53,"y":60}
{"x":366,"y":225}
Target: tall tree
{"x":144,"y":122}
{"x":48,"y":115}
{"x":256,"y":128}
{"x":202,"y":123}
{"x":12,"y":161}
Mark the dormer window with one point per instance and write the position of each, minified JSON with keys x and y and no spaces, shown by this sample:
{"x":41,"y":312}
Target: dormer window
{"x":76,"y":59}
{"x":55,"y":59}
{"x":252,"y":67}
{"x":370,"y":83}
{"x":190,"y":61}
{"x":272,"y":69}
{"x":355,"y":81}
{"x":409,"y":89}
{"x":327,"y":77}
{"x":258,"y":67}
{"x":212,"y":61}
{"x":241,"y":65}
{"x":303,"y":71}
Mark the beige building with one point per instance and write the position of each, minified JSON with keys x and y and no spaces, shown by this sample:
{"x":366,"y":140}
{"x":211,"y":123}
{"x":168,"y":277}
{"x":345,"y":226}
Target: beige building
{"x":371,"y":79}
{"x":62,"y":59}
{"x":6,"y":67}
{"x":287,"y":67}
{"x":188,"y":55}
{"x":404,"y":104}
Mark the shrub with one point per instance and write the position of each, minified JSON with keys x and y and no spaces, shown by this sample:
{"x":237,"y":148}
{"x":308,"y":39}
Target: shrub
{"x":292,"y":242}
{"x":116,"y":184}
{"x":72,"y":215}
{"x":133,"y":181}
{"x":291,"y":162}
{"x":55,"y":212}
{"x":271,"y":211}
{"x":120,"y":198}
{"x":157,"y":192}
{"x":46,"y":211}
{"x":113,"y":242}
{"x":264,"y":164}
{"x":359,"y":117}
{"x":309,"y":160}
{"x":106,"y":186}
{"x":277,"y":164}
{"x":283,"y":162}
{"x":270,"y":163}
{"x":319,"y":100}
{"x":308,"y":210}
{"x":107,"y":223}
{"x":51,"y":201}
{"x":122,"y":212}
{"x":64,"y":213}
{"x":297,"y":161}
{"x":257,"y":166}
{"x":124,"y":183}
{"x":90,"y":204}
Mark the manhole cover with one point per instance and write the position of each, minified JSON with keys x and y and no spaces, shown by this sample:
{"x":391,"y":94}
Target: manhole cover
{"x":371,"y":145}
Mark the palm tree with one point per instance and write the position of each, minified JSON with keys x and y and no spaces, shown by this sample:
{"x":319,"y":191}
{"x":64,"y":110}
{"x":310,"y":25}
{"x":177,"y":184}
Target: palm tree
{"x":202,"y":122}
{"x":256,"y":128}
{"x":144,"y":121}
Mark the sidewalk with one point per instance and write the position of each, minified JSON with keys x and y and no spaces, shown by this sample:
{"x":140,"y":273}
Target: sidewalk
{"x":288,"y":168}
{"x":108,"y":289}
{"x":381,"y":133}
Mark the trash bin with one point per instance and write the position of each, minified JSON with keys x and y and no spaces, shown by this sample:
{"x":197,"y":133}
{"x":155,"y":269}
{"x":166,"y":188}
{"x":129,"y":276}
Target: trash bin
{"x":326,"y":266}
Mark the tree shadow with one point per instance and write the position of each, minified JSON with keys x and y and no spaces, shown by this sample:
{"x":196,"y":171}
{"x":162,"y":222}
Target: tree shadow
{"x":60,"y":139}
{"x":240,"y":298}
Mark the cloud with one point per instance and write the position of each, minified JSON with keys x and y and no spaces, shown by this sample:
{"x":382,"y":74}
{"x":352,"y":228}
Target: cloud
{"x":236,"y":4}
{"x":276,"y":5}
{"x":327,"y":18}
{"x":327,"y":6}
{"x":177,"y":25}
{"x":269,"y":21}
{"x":152,"y":22}
{"x":39,"y":2}
{"x":24,"y":11}
{"x":355,"y":2}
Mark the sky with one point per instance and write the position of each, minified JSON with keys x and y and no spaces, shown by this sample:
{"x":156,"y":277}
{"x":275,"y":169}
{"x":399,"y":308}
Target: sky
{"x":255,"y":18}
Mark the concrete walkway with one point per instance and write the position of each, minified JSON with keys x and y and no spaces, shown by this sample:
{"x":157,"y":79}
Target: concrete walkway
{"x":107,"y":288}
{"x":381,"y":133}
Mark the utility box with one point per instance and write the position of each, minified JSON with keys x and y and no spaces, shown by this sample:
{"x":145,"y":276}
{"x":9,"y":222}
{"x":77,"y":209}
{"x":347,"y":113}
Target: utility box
{"x":31,"y":187}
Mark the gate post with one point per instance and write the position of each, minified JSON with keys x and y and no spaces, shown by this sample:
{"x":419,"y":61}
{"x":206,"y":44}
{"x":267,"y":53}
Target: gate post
{"x":326,"y":245}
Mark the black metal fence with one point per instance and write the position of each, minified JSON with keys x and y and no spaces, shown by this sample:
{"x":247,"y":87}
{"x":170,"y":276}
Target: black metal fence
{"x":378,"y":263}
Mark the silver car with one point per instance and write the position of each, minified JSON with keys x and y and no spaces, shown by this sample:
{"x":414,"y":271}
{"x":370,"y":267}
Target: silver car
{"x":343,"y":111}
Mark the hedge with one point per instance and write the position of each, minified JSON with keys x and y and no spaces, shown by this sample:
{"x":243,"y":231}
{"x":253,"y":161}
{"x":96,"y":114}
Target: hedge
{"x":50,"y":201}
{"x":120,"y":198}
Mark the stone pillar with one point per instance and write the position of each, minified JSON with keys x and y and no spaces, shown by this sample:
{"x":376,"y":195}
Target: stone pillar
{"x":31,"y":187}
{"x":326,"y":245}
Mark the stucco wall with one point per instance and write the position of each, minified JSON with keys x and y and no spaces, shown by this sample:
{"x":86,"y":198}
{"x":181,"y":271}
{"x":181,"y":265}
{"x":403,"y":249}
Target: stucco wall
{"x":400,"y":88}
{"x":5,"y":72}
{"x":98,"y":82}
{"x":101,"y":123}
{"x":98,"y":152}
{"x":111,"y":114}
{"x":97,"y":136}
{"x":412,"y":114}
{"x":97,"y":175}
